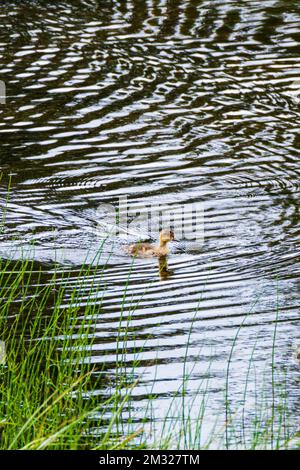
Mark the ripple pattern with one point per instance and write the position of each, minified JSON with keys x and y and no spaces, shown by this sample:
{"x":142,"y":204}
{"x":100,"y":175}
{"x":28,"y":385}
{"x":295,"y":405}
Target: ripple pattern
{"x":166,"y":102}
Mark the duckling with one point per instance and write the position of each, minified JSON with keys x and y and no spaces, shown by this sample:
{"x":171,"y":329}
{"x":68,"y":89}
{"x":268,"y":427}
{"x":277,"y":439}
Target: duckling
{"x":147,"y":249}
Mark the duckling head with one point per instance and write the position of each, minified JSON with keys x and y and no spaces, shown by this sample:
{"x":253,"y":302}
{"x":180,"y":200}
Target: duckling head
{"x":166,"y":236}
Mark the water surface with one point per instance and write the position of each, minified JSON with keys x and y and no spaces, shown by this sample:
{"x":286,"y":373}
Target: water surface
{"x":163,"y":102}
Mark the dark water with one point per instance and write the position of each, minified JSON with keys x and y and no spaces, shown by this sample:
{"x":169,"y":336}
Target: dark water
{"x":164,"y":102}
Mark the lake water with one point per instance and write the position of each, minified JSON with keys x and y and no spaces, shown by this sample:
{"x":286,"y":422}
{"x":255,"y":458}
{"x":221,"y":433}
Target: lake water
{"x":166,"y":103}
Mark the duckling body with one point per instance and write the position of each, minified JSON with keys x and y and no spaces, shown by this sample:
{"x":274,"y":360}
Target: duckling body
{"x":146,"y":250}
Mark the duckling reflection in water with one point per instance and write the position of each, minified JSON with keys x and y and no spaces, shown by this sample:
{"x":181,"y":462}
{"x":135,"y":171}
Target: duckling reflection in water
{"x":164,"y":271}
{"x":146,"y":250}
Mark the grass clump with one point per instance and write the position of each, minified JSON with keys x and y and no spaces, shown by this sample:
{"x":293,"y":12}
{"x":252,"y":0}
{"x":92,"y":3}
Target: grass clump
{"x":46,"y":380}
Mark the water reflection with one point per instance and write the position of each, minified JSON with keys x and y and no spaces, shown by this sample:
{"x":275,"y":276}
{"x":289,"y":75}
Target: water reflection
{"x":164,"y":271}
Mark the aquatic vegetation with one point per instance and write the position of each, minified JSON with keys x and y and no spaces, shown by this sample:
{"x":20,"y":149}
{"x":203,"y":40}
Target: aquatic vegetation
{"x":53,"y":397}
